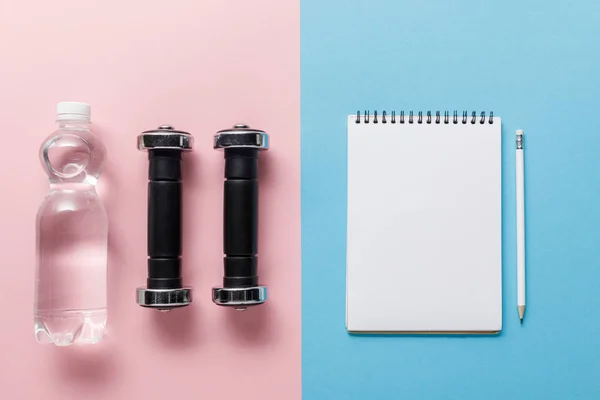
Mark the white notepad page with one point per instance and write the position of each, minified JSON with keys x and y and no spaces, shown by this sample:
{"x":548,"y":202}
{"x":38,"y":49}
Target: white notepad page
{"x":424,"y":245}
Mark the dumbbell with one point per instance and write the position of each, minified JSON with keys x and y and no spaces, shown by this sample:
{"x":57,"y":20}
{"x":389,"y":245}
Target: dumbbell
{"x":241,"y":288}
{"x":164,"y":287}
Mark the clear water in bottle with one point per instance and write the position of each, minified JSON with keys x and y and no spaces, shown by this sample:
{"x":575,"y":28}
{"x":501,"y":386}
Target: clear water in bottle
{"x":72,"y":233}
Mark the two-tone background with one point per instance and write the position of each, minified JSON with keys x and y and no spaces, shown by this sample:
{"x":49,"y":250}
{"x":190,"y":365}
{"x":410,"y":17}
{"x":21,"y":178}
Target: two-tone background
{"x":297,"y":69}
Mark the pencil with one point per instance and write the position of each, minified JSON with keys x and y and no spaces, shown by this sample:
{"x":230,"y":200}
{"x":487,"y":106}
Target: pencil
{"x":520,"y":226}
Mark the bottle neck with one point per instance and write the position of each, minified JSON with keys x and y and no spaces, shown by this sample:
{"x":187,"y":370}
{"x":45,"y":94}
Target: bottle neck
{"x":73,"y":124}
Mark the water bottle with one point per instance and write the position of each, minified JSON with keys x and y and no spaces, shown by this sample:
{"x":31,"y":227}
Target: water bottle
{"x":72,"y":234}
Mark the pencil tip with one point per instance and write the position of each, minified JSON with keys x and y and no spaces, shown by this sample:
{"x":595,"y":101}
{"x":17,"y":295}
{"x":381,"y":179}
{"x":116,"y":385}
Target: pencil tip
{"x":521,"y":321}
{"x":521,"y":313}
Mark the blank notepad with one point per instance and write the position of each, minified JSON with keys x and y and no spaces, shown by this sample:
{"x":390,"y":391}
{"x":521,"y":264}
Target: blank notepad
{"x":424,"y":250}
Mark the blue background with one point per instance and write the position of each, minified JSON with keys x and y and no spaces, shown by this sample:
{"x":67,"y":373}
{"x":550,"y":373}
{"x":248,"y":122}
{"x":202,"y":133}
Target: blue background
{"x":536,"y":64}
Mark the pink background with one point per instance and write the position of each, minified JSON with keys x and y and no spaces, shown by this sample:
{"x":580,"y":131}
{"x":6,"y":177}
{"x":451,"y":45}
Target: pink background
{"x":200,"y":66}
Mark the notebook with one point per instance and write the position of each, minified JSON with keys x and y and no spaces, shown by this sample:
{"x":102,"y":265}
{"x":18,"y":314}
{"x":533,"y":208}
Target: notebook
{"x":424,"y":249}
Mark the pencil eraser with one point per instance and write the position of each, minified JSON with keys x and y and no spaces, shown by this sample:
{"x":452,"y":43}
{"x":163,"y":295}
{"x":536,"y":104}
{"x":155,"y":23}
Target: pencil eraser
{"x":519,"y":132}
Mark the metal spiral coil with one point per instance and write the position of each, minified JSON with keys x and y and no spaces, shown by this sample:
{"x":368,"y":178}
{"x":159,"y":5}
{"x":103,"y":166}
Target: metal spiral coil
{"x":428,"y":118}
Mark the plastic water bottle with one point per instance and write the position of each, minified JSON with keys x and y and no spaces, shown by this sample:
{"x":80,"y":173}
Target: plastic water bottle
{"x":72,"y":232}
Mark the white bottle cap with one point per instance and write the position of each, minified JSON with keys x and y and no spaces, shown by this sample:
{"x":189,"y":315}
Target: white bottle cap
{"x":73,"y":110}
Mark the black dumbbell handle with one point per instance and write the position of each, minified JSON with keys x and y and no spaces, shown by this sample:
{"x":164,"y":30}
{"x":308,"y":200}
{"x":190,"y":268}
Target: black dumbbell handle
{"x":240,"y":218}
{"x":164,"y":219}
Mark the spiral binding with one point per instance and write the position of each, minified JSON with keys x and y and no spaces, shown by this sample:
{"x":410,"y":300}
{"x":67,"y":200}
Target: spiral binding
{"x":428,"y":118}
